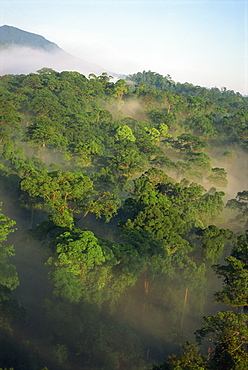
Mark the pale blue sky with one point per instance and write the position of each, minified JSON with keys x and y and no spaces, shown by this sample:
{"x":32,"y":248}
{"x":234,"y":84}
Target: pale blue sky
{"x":204,"y":42}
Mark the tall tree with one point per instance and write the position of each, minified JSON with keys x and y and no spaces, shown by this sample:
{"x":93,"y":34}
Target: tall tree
{"x":235,"y":275}
{"x":229,"y":333}
{"x":8,"y":274}
{"x":240,"y":204}
{"x":43,"y":132}
{"x":63,"y":192}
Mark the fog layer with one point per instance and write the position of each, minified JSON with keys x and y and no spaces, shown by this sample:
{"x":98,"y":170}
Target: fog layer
{"x":18,"y":60}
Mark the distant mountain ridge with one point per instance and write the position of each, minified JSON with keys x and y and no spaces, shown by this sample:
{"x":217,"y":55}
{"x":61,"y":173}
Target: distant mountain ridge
{"x":10,"y":36}
{"x":26,"y":52}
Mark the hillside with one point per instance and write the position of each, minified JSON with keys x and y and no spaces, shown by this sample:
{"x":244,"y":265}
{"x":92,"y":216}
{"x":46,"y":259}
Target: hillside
{"x":11,"y":36}
{"x":124,"y":195}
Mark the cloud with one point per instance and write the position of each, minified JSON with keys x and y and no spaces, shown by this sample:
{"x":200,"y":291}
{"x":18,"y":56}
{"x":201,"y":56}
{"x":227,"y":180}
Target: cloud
{"x":18,"y":60}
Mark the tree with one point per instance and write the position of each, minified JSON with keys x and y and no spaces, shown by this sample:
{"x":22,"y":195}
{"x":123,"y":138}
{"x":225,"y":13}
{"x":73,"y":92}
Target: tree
{"x":213,"y":242}
{"x":83,"y":152}
{"x":200,"y":162}
{"x":240,"y":204}
{"x":46,"y":71}
{"x":127,"y":161}
{"x":9,"y":308}
{"x":104,"y":204}
{"x":10,"y":120}
{"x":124,"y":133}
{"x":190,"y":359}
{"x":229,"y":155}
{"x":156,"y":216}
{"x":82,"y":267}
{"x":45,"y":103}
{"x":229,"y":330}
{"x":188,"y":143}
{"x":120,"y":88}
{"x":194,"y":204}
{"x":170,"y":100}
{"x":203,"y":125}
{"x":63,"y":192}
{"x":165,"y":162}
{"x":229,"y":333}
{"x":44,"y":132}
{"x":78,"y":251}
{"x":235,"y":275}
{"x":8,"y":274}
{"x":218,"y":177}
{"x":32,"y":81}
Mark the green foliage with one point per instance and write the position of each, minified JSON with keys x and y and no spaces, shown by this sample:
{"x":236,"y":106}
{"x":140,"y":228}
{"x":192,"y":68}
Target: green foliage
{"x":189,"y":143}
{"x":229,"y":155}
{"x":8,"y":274}
{"x":229,"y":333}
{"x":218,"y":177}
{"x":190,"y":359}
{"x":235,"y":275}
{"x":82,"y":267}
{"x":78,"y":251}
{"x":63,"y":192}
{"x":10,"y":120}
{"x":213,"y":242}
{"x":10,"y":309}
{"x":124,"y":133}
{"x":104,"y":347}
{"x":240,"y":204}
{"x":43,"y":132}
{"x":69,"y":146}
{"x":6,"y":227}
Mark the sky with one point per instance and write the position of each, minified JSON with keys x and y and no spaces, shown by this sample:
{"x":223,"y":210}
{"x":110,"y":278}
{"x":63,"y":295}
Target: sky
{"x":204,"y":42}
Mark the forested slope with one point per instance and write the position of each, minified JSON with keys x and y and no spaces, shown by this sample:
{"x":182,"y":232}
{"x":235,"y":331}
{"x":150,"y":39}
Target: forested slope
{"x":127,"y":190}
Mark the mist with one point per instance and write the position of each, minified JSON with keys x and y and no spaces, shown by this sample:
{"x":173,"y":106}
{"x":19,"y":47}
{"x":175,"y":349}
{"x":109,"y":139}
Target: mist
{"x":236,"y":168}
{"x":24,"y":60}
{"x":143,"y":316}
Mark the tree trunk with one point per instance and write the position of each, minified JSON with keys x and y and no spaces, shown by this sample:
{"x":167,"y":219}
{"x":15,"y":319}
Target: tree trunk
{"x":184,"y":305}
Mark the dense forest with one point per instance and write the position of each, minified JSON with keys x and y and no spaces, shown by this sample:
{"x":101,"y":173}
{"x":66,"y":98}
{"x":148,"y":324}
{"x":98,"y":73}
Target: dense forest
{"x":124,"y":209}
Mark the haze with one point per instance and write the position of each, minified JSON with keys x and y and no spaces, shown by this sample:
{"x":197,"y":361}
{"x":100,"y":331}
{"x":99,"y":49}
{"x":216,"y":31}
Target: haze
{"x":200,"y":42}
{"x":18,"y":60}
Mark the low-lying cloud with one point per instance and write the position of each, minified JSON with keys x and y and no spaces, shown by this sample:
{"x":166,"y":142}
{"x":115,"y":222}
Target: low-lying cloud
{"x":18,"y":60}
